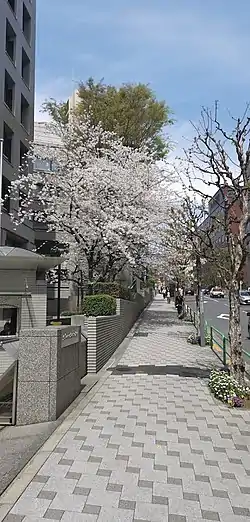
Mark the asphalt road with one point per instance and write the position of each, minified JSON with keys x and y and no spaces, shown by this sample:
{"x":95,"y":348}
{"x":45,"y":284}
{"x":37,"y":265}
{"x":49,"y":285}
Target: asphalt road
{"x":216,"y":314}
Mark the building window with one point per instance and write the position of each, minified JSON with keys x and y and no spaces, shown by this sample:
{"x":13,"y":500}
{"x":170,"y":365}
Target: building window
{"x":25,"y":113}
{"x":25,"y":68}
{"x":43,"y":165}
{"x":10,"y":41}
{"x":9,"y":91}
{"x":8,"y":321}
{"x":26,"y":23}
{"x":7,"y":142}
{"x":12,"y":4}
{"x":15,"y":241}
{"x":5,"y":194}
{"x":23,"y":155}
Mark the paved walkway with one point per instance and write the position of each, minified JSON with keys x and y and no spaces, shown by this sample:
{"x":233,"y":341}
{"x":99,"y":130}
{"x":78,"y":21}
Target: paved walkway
{"x":149,"y":446}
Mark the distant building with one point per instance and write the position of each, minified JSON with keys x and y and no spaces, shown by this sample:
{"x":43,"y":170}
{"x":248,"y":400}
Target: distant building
{"x":17,"y":67}
{"x":215,"y":209}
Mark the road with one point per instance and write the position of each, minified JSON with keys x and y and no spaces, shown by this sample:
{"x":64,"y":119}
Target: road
{"x":216,"y":314}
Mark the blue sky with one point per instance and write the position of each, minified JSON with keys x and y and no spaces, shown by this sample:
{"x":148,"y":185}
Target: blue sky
{"x":191,"y":52}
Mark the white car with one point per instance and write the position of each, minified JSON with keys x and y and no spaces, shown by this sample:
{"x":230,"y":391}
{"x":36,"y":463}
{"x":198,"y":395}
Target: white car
{"x":217,"y":292}
{"x":244,"y":297}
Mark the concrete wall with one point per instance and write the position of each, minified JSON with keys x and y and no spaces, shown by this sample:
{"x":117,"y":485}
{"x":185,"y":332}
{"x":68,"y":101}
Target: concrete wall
{"x":106,"y":333}
{"x":48,"y":373}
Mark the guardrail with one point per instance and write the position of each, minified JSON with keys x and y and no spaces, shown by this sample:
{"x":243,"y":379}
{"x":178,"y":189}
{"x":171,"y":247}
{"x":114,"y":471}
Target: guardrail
{"x":218,"y":341}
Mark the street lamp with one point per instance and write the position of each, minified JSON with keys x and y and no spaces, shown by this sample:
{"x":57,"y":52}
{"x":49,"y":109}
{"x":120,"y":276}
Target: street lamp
{"x":1,"y":184}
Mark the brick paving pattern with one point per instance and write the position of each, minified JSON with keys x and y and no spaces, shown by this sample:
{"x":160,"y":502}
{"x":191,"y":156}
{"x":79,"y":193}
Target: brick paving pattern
{"x":148,"y":448}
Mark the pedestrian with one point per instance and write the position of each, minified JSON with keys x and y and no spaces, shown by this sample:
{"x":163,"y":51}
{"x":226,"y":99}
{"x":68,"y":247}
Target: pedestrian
{"x":168,"y":296}
{"x":179,"y":304}
{"x":164,"y":292}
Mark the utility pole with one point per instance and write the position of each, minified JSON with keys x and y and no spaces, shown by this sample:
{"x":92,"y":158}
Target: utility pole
{"x":1,"y":186}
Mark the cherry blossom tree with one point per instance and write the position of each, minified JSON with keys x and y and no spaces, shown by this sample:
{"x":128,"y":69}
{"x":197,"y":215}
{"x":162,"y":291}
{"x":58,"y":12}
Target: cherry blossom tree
{"x":105,"y":201}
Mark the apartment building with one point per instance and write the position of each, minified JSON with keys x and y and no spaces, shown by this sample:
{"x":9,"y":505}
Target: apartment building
{"x":215,"y":210}
{"x":17,"y":67}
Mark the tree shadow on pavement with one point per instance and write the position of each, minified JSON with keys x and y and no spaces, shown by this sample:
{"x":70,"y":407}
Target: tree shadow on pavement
{"x":156,"y":319}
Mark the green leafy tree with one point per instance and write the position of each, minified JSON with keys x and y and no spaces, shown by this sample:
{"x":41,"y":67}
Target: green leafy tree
{"x":131,"y":111}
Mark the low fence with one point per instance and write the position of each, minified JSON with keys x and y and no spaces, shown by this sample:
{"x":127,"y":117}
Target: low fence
{"x":218,"y":341}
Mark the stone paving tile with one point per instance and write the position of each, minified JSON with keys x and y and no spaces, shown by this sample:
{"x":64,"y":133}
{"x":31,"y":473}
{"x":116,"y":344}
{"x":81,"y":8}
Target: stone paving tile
{"x":78,"y":517}
{"x":148,"y":447}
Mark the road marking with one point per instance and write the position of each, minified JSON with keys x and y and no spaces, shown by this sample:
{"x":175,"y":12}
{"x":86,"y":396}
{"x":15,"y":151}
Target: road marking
{"x":223,"y":316}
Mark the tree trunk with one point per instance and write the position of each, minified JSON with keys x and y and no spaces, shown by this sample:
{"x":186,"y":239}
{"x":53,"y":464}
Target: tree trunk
{"x":91,"y":276}
{"x":237,"y":369}
{"x":198,"y":277}
{"x":82,"y":289}
{"x":198,"y":296}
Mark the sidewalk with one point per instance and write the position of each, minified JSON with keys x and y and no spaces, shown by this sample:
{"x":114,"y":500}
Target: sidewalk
{"x":151,"y":445}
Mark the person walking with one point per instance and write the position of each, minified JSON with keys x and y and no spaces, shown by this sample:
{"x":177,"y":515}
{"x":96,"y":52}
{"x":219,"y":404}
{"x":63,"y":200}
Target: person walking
{"x":164,"y":292}
{"x":179,"y":303}
{"x":168,"y":296}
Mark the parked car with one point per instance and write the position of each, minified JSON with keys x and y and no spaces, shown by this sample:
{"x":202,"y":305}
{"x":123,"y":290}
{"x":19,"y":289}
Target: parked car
{"x":244,"y":297}
{"x":217,"y":292}
{"x":206,"y":291}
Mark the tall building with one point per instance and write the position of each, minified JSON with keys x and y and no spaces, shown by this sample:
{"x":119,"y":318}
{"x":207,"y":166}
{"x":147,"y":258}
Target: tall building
{"x":17,"y":67}
{"x":215,"y":219}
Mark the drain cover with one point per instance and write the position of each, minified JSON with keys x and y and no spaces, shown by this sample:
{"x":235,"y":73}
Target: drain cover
{"x":140,"y":334}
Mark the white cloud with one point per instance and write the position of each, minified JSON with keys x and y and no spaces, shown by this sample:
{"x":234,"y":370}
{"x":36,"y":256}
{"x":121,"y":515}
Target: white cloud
{"x":60,"y":89}
{"x":182,"y":136}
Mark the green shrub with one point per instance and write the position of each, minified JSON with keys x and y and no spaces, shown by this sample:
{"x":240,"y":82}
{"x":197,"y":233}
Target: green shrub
{"x":115,"y":289}
{"x":102,"y":304}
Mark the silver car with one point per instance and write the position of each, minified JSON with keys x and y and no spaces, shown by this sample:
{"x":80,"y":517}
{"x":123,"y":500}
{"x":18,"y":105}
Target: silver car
{"x":216,"y":291}
{"x":244,"y":297}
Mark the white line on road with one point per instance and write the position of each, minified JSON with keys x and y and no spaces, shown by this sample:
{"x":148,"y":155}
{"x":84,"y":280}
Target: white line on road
{"x":223,"y":316}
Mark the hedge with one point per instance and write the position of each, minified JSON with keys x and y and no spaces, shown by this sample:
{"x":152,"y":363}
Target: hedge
{"x":96,"y":305}
{"x":114,"y":289}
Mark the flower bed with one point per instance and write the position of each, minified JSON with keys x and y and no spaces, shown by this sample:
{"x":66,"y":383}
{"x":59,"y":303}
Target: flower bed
{"x":228,"y":390}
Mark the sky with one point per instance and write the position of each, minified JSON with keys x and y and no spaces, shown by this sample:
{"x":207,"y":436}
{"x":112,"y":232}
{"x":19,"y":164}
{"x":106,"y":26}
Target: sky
{"x":190,"y":52}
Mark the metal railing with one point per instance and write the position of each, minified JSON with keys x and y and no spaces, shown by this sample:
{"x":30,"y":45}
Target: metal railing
{"x":193,"y":316}
{"x":8,"y":395}
{"x":218,"y":341}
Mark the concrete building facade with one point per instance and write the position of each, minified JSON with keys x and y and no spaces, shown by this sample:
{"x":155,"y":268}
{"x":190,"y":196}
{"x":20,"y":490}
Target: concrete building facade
{"x":17,"y":72}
